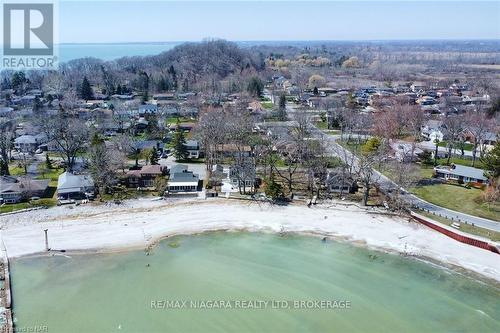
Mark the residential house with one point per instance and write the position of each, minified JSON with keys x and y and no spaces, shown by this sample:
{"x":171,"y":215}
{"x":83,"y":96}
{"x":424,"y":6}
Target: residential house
{"x":144,"y":177}
{"x":488,"y":138}
{"x":29,"y":143}
{"x":233,"y":150}
{"x":14,"y":190}
{"x":418,"y":87}
{"x":338,"y":181}
{"x":460,"y":173}
{"x":182,"y":180}
{"x":193,"y":148}
{"x":243,"y":174}
{"x":405,"y":152}
{"x":71,"y":186}
{"x":148,"y":109}
{"x":430,"y":127}
{"x":186,"y":127}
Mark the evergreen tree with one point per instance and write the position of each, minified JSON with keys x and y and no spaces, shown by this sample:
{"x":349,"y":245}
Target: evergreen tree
{"x":179,"y":144}
{"x":315,"y":91}
{"x":86,"y":92}
{"x":48,"y":162}
{"x":18,"y":80}
{"x":173,"y":74}
{"x":491,"y":161}
{"x":274,"y":189}
{"x":282,"y":108}
{"x":153,"y":156}
{"x":255,"y":87}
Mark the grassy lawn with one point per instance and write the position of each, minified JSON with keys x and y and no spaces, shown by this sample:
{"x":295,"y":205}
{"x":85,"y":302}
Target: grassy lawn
{"x":48,"y":202}
{"x":173,"y":120}
{"x":322,"y":125}
{"x":52,"y":174}
{"x":267,"y":105}
{"x":467,"y":146}
{"x":462,"y":161}
{"x":458,"y":198}
{"x":332,"y":132}
{"x":493,"y":235}
{"x":16,"y":170}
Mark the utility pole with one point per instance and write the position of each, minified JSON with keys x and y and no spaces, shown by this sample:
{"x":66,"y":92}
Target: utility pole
{"x":46,"y":240}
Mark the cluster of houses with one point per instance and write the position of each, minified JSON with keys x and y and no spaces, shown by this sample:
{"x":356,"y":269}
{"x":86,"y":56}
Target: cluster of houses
{"x":72,"y":187}
{"x":432,"y":98}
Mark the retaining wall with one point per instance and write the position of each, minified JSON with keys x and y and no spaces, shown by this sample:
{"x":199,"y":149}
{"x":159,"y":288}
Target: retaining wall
{"x":456,"y":235}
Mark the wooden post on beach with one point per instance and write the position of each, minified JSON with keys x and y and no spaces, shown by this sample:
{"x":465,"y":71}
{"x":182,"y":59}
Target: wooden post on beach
{"x":46,"y":240}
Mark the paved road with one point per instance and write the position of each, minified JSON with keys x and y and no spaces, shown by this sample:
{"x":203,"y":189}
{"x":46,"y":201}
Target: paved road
{"x":385,"y":184}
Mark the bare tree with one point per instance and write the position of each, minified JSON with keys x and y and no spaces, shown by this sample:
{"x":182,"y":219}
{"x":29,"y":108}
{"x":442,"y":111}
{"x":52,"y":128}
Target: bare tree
{"x":7,"y":135}
{"x":69,"y":135}
{"x":454,"y":127}
{"x":479,"y":125}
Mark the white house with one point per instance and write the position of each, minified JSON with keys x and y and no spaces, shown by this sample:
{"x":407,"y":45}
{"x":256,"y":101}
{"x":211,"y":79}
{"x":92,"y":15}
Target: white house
{"x":193,"y":148}
{"x":29,"y":143}
{"x":70,"y":186}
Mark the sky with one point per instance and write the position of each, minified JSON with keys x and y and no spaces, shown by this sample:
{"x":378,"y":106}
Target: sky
{"x":164,"y":21}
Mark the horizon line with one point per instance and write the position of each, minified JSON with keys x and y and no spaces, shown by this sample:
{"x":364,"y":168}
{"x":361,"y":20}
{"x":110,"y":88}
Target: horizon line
{"x":286,"y":40}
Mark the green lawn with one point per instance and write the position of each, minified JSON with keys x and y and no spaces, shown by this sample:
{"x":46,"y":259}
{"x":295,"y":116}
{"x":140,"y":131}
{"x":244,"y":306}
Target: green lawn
{"x":48,"y":202}
{"x":52,"y":174}
{"x":267,"y":105}
{"x":322,"y":125}
{"x":467,"y":146}
{"x":493,"y":235}
{"x":458,"y":198}
{"x":462,"y":161}
{"x":16,"y":170}
{"x":173,"y":120}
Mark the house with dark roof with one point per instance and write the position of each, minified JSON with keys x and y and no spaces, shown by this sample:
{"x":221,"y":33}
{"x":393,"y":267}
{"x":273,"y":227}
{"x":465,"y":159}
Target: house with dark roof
{"x":16,"y":189}
{"x":460,"y":173}
{"x":338,"y":181}
{"x":182,"y":180}
{"x":145,"y":177}
{"x":193,"y":148}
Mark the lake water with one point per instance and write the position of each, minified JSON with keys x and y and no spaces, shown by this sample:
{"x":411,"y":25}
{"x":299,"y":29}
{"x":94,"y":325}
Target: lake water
{"x":125,"y":292}
{"x":112,"y":51}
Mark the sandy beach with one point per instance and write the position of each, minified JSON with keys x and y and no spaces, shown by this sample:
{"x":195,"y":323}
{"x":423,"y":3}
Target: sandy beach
{"x":141,"y":223}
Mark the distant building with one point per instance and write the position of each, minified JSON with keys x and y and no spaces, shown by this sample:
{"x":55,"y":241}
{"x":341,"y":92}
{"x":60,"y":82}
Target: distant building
{"x":460,"y":173}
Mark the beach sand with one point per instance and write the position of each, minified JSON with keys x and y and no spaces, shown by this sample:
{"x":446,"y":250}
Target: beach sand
{"x":141,"y":223}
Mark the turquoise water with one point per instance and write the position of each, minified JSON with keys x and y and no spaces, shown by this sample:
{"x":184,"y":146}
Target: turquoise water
{"x":124,"y":292}
{"x":112,"y":51}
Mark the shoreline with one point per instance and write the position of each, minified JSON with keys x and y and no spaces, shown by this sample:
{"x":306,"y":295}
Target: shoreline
{"x":456,"y":269}
{"x":351,"y":225}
